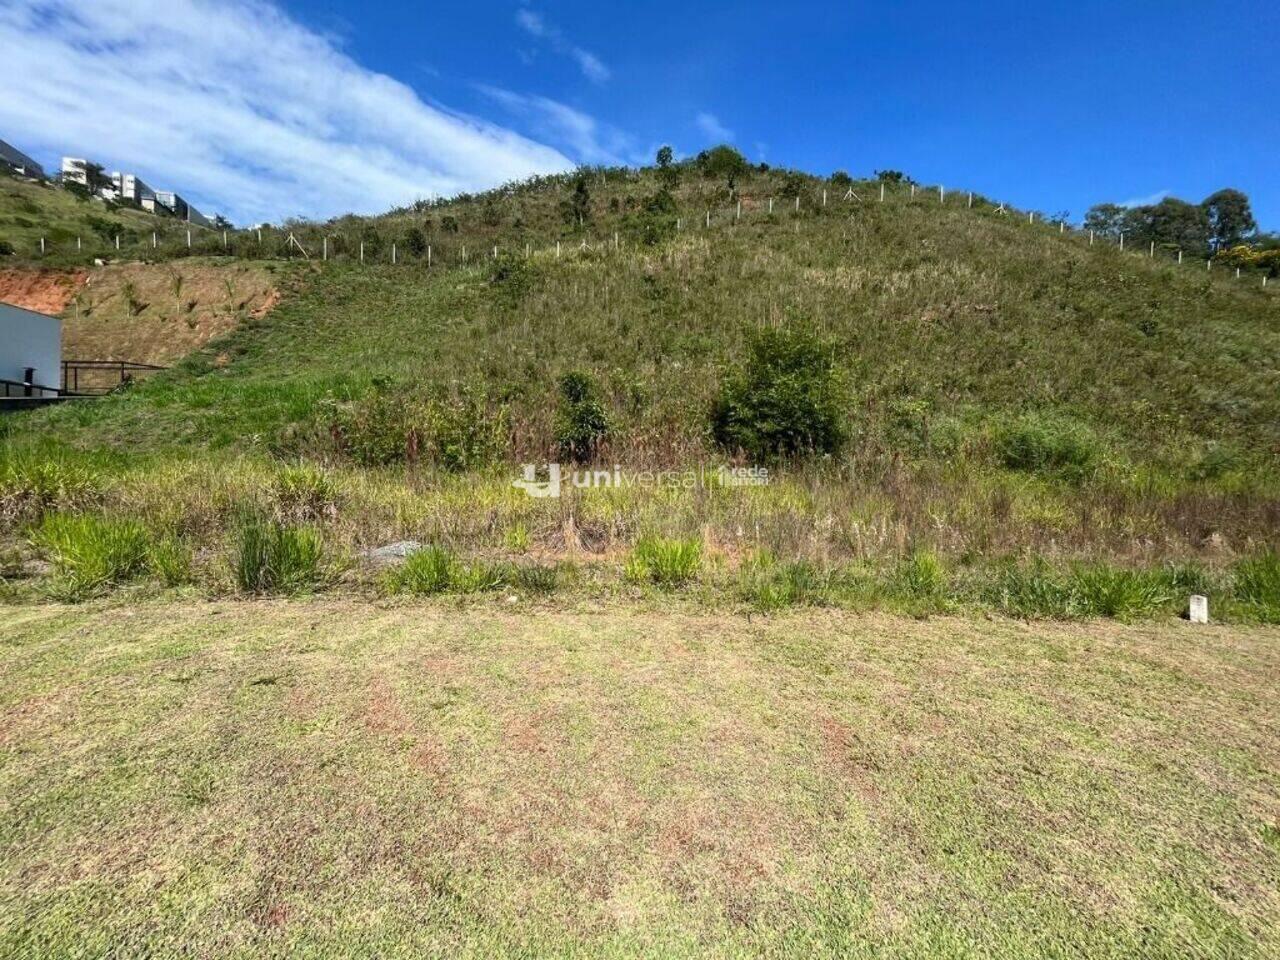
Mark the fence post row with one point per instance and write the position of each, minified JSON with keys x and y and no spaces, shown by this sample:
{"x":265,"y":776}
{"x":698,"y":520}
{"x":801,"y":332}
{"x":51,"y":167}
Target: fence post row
{"x":292,"y":240}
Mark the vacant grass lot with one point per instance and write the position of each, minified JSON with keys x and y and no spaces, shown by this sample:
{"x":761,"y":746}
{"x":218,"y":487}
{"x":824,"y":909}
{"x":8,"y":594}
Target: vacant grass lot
{"x":323,"y":779}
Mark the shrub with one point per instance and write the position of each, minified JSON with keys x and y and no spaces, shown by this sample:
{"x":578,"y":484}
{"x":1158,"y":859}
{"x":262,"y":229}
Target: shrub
{"x":375,"y":430}
{"x":6,"y":248}
{"x":788,"y":402}
{"x":841,"y":178}
{"x":90,"y":553}
{"x":465,"y":431}
{"x":170,"y":560}
{"x":723,"y":162}
{"x":434,"y":570}
{"x":1106,"y":591}
{"x":1038,"y":443}
{"x":535,"y":578}
{"x":415,"y":242}
{"x":30,"y":486}
{"x":1257,"y":583}
{"x":1033,"y":593}
{"x":772,"y":587}
{"x":582,"y":422}
{"x":304,"y":493}
{"x":459,"y":432}
{"x":920,"y":577}
{"x":271,"y":557}
{"x":668,"y":563}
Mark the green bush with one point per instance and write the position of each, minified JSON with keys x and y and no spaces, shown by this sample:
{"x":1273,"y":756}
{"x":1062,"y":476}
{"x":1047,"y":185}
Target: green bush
{"x":582,"y":423}
{"x":459,"y":432}
{"x":1033,"y":593}
{"x":770,"y":586}
{"x":6,"y":248}
{"x":434,"y":570}
{"x":90,"y":553}
{"x":272,"y":558}
{"x":376,"y":430}
{"x":535,"y":578}
{"x":1257,"y":584}
{"x":1106,"y":591}
{"x":169,"y":559}
{"x":665,"y":562}
{"x":303,"y":493}
{"x":31,"y":485}
{"x":788,"y":402}
{"x":921,"y":577}
{"x":465,"y":431}
{"x":1048,"y":445}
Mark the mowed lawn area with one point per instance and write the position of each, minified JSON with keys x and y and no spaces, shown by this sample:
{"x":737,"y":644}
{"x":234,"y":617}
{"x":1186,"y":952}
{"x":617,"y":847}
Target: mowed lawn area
{"x":335,"y":778}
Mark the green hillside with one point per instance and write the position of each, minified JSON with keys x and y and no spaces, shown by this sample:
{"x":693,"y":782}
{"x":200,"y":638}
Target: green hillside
{"x":75,"y":229}
{"x":1006,"y":388}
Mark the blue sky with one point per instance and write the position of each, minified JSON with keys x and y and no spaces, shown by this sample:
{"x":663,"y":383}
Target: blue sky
{"x":313,"y":107}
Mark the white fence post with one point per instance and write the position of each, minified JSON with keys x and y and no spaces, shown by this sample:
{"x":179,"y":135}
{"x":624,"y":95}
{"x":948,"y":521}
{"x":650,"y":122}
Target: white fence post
{"x":942,"y":194}
{"x":393,"y":253}
{"x":42,"y":244}
{"x":971,"y":200}
{"x":824,"y":198}
{"x":882,"y":193}
{"x":362,"y":251}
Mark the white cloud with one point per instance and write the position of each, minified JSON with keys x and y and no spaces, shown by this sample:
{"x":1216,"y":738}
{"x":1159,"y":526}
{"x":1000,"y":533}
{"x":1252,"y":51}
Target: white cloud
{"x":239,"y":108}
{"x":711,"y":126}
{"x":1148,"y":200}
{"x":583,"y":135}
{"x":534,"y":24}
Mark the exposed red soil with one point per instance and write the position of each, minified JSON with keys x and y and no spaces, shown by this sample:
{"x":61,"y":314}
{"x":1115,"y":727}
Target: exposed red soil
{"x":45,"y":291}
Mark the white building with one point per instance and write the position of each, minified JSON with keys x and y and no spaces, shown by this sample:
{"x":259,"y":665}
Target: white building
{"x":17,"y":161}
{"x":30,"y":352}
{"x":130,"y":188}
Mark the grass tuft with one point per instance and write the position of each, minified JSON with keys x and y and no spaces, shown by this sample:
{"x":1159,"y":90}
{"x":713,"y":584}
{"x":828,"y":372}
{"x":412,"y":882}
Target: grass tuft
{"x":90,"y":553}
{"x":665,"y":562}
{"x":273,"y":558}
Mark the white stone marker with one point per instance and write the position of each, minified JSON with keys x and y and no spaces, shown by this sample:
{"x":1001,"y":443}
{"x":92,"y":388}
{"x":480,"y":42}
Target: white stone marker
{"x":1198,"y":609}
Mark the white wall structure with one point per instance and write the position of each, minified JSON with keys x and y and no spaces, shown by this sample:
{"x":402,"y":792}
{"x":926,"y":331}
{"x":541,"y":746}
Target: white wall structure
{"x":30,"y":340}
{"x":19,"y":162}
{"x":130,"y":188}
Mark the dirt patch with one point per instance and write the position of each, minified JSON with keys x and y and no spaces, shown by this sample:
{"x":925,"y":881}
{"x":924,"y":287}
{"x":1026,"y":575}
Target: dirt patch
{"x":45,"y":291}
{"x":158,"y":313}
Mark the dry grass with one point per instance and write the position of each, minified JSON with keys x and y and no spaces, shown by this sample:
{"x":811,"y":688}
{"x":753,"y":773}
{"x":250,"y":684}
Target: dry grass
{"x":332,"y":779}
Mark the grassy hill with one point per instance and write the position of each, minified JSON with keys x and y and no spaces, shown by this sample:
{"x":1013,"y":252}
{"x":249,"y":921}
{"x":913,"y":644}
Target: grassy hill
{"x":1011,"y":389}
{"x":76,"y":229}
